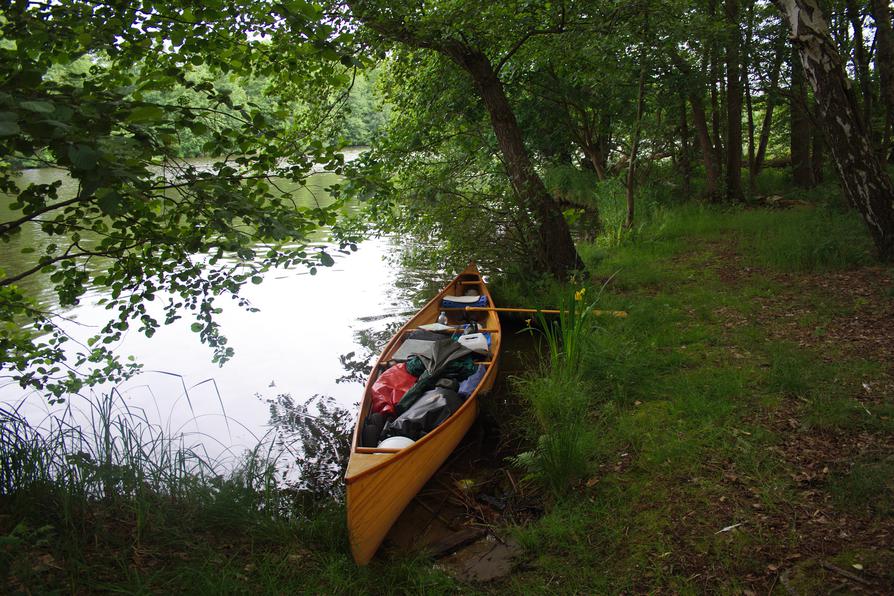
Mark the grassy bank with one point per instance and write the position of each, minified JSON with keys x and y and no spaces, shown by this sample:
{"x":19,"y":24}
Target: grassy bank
{"x":113,"y":503}
{"x":740,"y":421}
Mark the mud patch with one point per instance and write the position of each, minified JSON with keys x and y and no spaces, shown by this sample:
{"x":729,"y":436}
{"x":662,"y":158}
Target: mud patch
{"x":484,"y":560}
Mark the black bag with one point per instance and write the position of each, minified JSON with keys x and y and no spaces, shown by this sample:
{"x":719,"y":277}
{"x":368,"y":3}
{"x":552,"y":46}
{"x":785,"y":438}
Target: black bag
{"x":372,"y":428}
{"x":430,"y":410}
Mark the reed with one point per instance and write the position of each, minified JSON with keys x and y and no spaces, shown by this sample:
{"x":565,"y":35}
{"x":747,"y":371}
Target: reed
{"x":559,"y":399}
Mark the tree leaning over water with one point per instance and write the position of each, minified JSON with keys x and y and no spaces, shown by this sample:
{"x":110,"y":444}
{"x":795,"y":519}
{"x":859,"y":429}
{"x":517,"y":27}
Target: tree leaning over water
{"x":472,"y":40}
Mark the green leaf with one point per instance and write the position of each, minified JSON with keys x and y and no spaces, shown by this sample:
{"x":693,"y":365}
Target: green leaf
{"x":83,"y":157}
{"x":196,"y":327}
{"x":326,"y":260}
{"x":109,"y":202}
{"x":42,"y":107}
{"x":256,"y":279}
{"x":8,"y":128}
{"x":146,"y":114}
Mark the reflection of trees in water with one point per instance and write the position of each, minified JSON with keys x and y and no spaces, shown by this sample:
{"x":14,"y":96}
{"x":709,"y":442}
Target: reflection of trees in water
{"x":419,"y":273}
{"x":315,"y":440}
{"x":358,"y":363}
{"x":412,"y":285}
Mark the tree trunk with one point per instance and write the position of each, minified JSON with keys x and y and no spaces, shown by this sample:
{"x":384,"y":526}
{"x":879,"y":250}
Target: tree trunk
{"x":695,"y":94}
{"x":770,"y":104}
{"x":717,"y":133}
{"x":749,"y":103}
{"x":553,"y":246}
{"x":884,"y":65}
{"x":861,"y":62}
{"x":715,"y":81}
{"x":733,"y":106}
{"x":865,"y":183}
{"x":802,"y":174}
{"x":634,"y":146}
{"x":685,"y":155}
{"x":817,"y":155}
{"x":749,"y":111}
{"x":700,"y":122}
{"x":592,"y":153}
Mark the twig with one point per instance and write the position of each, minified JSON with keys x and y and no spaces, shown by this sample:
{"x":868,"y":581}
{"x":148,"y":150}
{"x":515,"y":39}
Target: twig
{"x":844,"y":573}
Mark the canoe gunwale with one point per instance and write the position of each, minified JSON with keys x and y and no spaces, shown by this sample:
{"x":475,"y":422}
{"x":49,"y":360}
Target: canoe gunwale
{"x":390,"y":456}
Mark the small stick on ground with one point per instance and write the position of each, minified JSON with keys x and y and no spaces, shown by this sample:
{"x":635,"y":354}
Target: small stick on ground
{"x":845,"y":573}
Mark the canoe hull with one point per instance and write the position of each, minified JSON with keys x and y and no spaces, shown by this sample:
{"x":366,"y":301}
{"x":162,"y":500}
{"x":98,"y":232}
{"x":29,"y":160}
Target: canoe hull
{"x":377,"y":500}
{"x":379,"y":484}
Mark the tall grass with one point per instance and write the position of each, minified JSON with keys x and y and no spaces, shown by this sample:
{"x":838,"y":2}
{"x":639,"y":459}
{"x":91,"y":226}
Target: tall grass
{"x":560,"y":400}
{"x":117,"y":456}
{"x":565,"y":333}
{"x":106,"y":481}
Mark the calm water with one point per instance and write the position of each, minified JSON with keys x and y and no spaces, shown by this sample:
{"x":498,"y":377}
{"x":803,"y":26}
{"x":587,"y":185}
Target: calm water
{"x":312,"y":336}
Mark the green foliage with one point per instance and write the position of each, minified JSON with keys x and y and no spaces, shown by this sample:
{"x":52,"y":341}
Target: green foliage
{"x":113,"y":95}
{"x":868,"y":485}
{"x":560,"y":398}
{"x":364,"y":114}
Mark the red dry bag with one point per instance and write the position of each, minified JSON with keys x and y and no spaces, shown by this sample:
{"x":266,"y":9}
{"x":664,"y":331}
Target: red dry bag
{"x":390,"y":387}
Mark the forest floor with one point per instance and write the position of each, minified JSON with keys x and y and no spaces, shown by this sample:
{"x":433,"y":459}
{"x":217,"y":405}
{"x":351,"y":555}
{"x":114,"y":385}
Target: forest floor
{"x":745,"y":423}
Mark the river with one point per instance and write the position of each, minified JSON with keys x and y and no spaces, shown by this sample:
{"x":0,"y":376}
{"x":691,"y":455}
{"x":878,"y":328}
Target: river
{"x":310,"y":337}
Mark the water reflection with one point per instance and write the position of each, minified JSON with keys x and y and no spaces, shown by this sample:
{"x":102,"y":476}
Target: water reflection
{"x":313,"y":335}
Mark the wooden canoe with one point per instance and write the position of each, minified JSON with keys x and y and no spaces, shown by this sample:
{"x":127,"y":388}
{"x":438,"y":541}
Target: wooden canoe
{"x":382,"y":482}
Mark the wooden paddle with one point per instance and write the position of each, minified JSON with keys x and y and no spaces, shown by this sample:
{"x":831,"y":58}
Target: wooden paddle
{"x":614,"y":313}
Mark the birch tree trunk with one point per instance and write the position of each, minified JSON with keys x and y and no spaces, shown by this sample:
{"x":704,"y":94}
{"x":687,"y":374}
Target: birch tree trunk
{"x":884,"y":62}
{"x":865,"y":183}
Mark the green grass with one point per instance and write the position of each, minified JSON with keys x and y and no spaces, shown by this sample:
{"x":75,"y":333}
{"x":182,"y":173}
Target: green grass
{"x":868,"y":486}
{"x":683,"y":392}
{"x":122,"y":506}
{"x":559,"y":399}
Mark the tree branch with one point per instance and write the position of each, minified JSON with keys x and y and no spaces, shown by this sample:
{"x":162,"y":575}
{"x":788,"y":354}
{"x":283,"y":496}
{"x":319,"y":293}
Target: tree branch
{"x":6,"y":227}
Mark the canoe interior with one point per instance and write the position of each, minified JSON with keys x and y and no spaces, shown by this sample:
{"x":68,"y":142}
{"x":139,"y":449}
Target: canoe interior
{"x":381,"y":483}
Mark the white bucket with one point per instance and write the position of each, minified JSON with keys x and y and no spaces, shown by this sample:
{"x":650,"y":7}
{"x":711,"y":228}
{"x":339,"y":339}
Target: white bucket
{"x":396,"y":443}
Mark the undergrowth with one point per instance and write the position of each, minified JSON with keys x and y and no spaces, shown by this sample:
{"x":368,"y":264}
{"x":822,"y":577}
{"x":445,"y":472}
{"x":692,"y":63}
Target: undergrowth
{"x":113,"y":502}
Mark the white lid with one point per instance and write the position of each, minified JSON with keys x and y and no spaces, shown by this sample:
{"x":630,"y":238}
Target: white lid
{"x":396,"y":442}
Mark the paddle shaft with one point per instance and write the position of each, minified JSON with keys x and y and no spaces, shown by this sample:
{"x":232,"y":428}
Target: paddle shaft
{"x":547,"y":311}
